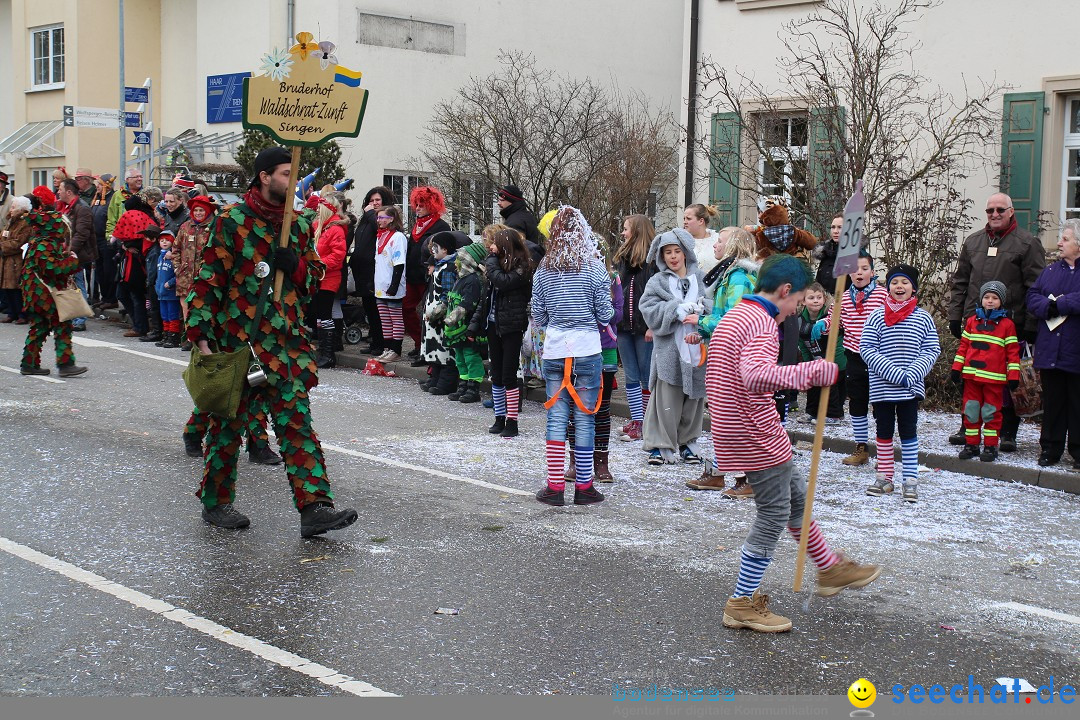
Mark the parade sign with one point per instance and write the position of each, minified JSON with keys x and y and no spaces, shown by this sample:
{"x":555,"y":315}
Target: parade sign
{"x":303,"y":97}
{"x":847,"y":254}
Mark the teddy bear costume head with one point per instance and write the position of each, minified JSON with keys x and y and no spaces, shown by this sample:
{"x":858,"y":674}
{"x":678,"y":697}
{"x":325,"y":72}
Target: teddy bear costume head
{"x":775,"y":233}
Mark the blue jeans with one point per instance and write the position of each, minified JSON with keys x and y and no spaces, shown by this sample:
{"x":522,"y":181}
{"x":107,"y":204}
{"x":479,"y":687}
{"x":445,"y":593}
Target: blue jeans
{"x":636,"y":355}
{"x":586,"y":377}
{"x":80,"y":282}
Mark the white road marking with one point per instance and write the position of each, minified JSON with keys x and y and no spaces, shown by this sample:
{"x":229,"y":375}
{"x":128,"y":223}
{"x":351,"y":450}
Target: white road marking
{"x":89,"y":342}
{"x":1042,"y":612}
{"x":46,"y":378}
{"x":271,"y":653}
{"x":426,"y":470}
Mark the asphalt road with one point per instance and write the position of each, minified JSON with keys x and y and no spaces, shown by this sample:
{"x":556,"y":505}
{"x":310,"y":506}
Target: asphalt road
{"x":566,"y":600}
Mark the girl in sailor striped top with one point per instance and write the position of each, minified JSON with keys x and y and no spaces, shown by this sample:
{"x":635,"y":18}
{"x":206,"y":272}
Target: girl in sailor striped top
{"x":899,"y":345}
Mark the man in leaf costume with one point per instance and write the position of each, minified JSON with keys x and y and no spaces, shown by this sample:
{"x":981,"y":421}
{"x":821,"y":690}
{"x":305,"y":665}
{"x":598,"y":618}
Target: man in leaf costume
{"x":241,"y":252}
{"x":47,"y":262}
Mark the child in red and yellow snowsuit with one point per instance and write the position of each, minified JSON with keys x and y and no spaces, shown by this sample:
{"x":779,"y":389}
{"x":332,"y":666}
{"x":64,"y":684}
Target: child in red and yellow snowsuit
{"x":987,"y":360}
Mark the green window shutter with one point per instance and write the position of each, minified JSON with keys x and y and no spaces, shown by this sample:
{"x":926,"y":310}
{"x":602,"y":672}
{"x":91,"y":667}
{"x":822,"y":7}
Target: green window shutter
{"x":724,"y":167}
{"x":824,"y":170}
{"x":1021,"y":154}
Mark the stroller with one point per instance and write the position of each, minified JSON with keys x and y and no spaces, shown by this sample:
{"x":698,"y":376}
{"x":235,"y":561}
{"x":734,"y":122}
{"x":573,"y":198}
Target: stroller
{"x":355,"y":322}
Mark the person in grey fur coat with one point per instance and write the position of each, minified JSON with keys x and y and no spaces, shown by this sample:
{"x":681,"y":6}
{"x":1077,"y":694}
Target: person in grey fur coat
{"x":671,"y":305}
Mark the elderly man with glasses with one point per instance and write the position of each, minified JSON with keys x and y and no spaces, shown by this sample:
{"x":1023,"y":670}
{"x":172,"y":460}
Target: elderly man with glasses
{"x":1007,"y":253}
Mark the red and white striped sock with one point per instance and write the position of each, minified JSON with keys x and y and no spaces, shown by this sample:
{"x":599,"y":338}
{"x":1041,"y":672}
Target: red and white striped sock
{"x":556,"y":458}
{"x":645,"y":395}
{"x":885,"y":458}
{"x":512,"y":396}
{"x":816,"y":547}
{"x":385,"y":321}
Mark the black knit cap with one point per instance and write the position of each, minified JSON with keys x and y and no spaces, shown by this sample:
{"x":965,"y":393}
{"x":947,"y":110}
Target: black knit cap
{"x":511,"y":193}
{"x":268,"y":159}
{"x":451,"y":240}
{"x":902,"y":270}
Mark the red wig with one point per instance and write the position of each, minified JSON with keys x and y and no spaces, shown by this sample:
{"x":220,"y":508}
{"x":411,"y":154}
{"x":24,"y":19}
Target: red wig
{"x":429,"y":197}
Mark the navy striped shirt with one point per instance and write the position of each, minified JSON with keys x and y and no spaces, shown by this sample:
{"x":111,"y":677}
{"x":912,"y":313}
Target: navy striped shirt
{"x":571,"y":305}
{"x":900,"y":356}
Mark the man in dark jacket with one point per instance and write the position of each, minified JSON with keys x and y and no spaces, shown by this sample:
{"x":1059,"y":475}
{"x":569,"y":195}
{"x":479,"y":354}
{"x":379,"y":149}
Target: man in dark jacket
{"x":1004,"y":252}
{"x":83,"y":243}
{"x":516,"y":214}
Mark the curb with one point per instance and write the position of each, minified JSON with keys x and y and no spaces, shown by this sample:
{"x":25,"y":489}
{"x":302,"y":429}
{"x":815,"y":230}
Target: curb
{"x":1039,"y":477}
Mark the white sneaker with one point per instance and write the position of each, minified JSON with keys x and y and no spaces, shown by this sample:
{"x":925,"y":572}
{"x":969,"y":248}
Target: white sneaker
{"x":389,"y":356}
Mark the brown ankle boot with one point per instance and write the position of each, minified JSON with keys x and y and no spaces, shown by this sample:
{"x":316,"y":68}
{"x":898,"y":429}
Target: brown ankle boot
{"x":571,"y":472}
{"x":706,"y":481}
{"x":601,"y":473}
{"x":859,"y":457}
{"x":741,"y":491}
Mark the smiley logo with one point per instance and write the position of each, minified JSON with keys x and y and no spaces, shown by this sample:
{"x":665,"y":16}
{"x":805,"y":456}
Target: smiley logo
{"x":862,"y":693}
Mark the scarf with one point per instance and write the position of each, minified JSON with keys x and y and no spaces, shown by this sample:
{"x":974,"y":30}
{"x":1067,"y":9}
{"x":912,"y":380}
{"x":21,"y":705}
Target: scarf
{"x":996,"y":237}
{"x":992,"y":316}
{"x":860,"y":295}
{"x":383,"y":237}
{"x":898,"y":311}
{"x":421,"y":225}
{"x":273,"y":214}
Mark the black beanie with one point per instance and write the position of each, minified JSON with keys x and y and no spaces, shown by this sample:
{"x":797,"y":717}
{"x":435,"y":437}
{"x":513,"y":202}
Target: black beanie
{"x":511,"y":192}
{"x":268,"y":159}
{"x":446,"y":239}
{"x":903,"y":270}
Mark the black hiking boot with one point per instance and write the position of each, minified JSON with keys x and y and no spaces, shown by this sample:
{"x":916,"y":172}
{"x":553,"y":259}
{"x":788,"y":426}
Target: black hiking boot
{"x":225,"y":516}
{"x":317,"y":518}
{"x":193,"y":445}
{"x":263,"y":455}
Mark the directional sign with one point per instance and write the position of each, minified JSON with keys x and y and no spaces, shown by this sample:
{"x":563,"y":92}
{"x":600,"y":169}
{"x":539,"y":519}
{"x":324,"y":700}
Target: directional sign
{"x":133,"y":119}
{"x":142,"y":138}
{"x":225,"y":97}
{"x":136,"y":94}
{"x":106,"y":118}
{"x":847,"y":254}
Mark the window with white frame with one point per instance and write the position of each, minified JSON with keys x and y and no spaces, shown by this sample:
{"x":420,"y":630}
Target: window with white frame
{"x":1070,"y":201}
{"x":402,"y":184}
{"x":47,"y":63}
{"x":782,"y":164}
{"x":41,"y":177}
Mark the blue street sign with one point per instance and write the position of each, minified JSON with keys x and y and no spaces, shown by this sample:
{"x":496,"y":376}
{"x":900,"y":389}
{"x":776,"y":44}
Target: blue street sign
{"x":225,"y":97}
{"x":132,"y":119}
{"x":136,"y":94}
{"x":142,"y":138}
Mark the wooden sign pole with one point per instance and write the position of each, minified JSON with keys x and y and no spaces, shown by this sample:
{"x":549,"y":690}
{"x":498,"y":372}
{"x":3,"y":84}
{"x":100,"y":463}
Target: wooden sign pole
{"x":819,"y":436}
{"x":286,"y":224}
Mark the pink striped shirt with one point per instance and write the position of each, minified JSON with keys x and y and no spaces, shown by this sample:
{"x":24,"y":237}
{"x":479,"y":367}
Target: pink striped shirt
{"x":852,"y":318}
{"x":740,"y":380}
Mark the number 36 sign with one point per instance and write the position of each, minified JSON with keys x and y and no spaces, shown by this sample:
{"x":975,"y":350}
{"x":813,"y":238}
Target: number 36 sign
{"x":847,"y":255}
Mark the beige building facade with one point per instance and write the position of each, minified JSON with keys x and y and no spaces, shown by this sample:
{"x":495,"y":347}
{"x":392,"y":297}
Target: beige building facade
{"x":1028,"y":47}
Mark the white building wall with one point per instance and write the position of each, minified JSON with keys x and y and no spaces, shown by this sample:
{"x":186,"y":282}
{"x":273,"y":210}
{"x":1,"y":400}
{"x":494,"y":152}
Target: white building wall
{"x":634,"y":44}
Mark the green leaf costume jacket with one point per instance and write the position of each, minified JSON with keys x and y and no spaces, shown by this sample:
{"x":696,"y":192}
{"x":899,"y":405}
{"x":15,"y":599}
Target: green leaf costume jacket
{"x":47,"y":262}
{"x":223,"y":299}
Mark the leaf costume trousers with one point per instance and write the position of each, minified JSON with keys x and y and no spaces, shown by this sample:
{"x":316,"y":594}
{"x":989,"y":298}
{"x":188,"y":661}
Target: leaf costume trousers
{"x":257,"y":437}
{"x":289,"y":410}
{"x":39,"y":329}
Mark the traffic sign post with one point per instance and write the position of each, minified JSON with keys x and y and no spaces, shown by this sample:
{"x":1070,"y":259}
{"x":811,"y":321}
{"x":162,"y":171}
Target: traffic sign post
{"x":91,"y":117}
{"x":141,"y":137}
{"x":847,"y":261}
{"x":132,"y":119}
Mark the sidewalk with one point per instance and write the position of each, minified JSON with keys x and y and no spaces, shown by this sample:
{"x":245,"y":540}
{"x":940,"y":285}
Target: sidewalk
{"x":1020,"y":467}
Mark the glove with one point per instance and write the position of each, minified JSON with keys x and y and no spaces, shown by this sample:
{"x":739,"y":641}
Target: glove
{"x":816,"y":331}
{"x":1052,"y":310}
{"x":1031,"y":337}
{"x":1013,"y":385}
{"x":956,"y":328}
{"x":286,"y":260}
{"x":956,"y":377}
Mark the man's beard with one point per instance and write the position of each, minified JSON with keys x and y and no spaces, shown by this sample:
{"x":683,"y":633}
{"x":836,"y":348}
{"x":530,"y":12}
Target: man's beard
{"x":276,"y":193}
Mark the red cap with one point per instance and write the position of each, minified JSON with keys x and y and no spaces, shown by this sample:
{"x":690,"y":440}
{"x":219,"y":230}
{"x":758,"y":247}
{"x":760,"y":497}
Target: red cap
{"x":45,"y":195}
{"x":205,"y":202}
